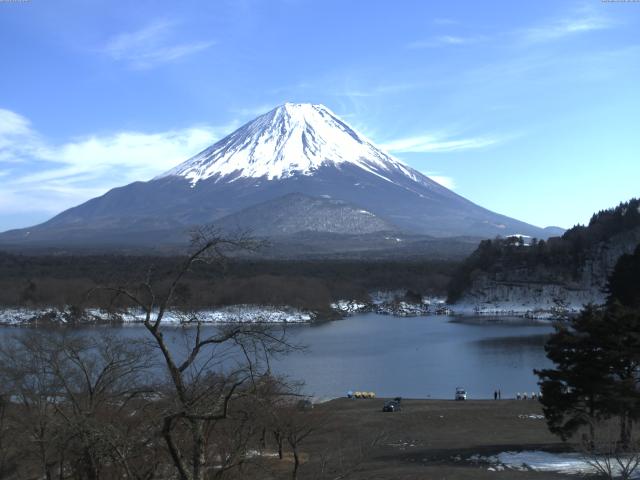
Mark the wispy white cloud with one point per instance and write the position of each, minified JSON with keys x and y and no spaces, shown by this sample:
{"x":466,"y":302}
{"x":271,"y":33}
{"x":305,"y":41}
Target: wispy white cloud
{"x":38,"y":175}
{"x":579,"y":22}
{"x":152,"y":45}
{"x":445,"y":40}
{"x":12,"y":124}
{"x":437,"y":143}
{"x":17,"y":138}
{"x":444,"y":180}
{"x":141,"y":155}
{"x":379,"y":90}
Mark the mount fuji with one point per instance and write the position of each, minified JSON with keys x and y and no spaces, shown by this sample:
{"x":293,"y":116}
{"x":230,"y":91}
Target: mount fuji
{"x":297,"y":169}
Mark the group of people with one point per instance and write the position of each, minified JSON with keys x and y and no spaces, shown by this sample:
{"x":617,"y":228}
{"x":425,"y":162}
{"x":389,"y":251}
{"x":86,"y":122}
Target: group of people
{"x":497,"y":395}
{"x":534,"y":396}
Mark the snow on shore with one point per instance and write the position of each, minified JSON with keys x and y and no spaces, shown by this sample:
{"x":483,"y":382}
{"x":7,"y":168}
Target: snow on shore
{"x":389,"y":303}
{"x":234,"y":314}
{"x":393,"y":303}
{"x":350,"y":306}
{"x":527,"y":310}
{"x":231,"y":314}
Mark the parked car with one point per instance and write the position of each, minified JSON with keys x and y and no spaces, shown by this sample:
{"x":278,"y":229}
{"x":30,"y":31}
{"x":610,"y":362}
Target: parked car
{"x":461,"y":394}
{"x":394,"y":405}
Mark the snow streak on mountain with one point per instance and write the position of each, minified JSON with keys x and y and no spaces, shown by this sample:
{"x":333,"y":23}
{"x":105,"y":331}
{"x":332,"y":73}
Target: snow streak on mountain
{"x":294,"y":138}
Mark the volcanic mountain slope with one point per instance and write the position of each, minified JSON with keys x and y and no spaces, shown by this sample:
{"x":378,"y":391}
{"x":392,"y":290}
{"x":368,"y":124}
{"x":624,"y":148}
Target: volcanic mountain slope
{"x":294,"y":148}
{"x":295,"y":213}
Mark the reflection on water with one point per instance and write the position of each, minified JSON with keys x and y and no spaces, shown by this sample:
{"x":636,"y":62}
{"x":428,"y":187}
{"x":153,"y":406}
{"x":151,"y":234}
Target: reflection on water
{"x":410,"y":357}
{"x":514,"y":352}
{"x":504,"y":344}
{"x":499,"y":320}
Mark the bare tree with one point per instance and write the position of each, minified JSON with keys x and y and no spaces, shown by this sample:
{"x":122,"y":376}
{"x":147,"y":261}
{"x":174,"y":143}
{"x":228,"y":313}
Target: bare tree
{"x":7,"y":456}
{"x":212,"y":368}
{"x":298,"y":426}
{"x":345,"y":457}
{"x":31,"y":392}
{"x":72,"y":402}
{"x":288,"y":416}
{"x":101,"y":380}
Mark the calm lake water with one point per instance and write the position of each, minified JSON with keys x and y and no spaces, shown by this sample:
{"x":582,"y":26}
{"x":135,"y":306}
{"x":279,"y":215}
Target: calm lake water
{"x":419,"y":357}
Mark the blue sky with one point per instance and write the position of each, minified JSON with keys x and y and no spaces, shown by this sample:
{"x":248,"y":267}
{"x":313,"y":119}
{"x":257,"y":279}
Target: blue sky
{"x":530,"y":109}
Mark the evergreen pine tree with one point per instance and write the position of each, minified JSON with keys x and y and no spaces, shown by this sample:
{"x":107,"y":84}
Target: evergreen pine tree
{"x":596,"y":358}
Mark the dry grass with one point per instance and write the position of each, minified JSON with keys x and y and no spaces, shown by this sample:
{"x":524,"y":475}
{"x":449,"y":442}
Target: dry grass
{"x":429,"y":438}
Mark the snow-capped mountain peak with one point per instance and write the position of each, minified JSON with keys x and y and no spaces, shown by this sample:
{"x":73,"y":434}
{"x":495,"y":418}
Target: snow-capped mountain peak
{"x":297,"y":170}
{"x":291,"y":139}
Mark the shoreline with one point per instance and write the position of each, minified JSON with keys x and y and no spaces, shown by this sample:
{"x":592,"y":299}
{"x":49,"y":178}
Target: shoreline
{"x":342,"y":309}
{"x":15,"y":316}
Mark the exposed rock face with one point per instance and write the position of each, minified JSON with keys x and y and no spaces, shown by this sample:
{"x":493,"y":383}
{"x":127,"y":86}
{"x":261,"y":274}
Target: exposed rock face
{"x":528,"y":289}
{"x":603,"y":258}
{"x":525,"y":296}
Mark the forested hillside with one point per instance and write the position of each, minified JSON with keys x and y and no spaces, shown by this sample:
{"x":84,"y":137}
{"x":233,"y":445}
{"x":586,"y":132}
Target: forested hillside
{"x":59,"y":280}
{"x":579,"y":261}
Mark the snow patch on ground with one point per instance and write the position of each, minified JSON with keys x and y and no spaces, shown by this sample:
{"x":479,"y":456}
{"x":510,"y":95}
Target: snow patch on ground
{"x":263,"y":454}
{"x":539,"y":461}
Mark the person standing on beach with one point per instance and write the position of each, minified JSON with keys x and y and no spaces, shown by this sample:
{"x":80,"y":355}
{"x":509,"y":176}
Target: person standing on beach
{"x":499,"y":395}
{"x":495,"y":394}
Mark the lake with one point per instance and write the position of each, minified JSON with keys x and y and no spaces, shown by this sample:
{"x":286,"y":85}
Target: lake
{"x":419,"y":357}
{"x":412,"y":357}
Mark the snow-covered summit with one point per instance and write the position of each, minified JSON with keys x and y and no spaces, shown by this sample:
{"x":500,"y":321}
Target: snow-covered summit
{"x":248,"y":178}
{"x":294,"y":138}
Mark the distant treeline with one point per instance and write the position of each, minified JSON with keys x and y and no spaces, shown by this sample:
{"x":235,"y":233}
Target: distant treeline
{"x":557,"y":259}
{"x":63,"y":280}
